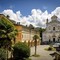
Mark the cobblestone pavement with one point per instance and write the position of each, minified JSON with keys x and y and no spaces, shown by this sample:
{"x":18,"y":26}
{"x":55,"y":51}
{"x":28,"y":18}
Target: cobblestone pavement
{"x":44,"y":55}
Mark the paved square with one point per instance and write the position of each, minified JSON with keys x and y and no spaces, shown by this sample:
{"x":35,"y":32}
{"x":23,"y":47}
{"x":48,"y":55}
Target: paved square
{"x":44,"y":55}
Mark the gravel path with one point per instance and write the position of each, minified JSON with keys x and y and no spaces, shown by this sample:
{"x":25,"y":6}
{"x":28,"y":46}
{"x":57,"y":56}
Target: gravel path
{"x":44,"y":55}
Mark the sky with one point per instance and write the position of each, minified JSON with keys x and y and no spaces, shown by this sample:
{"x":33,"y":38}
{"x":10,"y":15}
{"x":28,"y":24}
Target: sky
{"x":33,"y":12}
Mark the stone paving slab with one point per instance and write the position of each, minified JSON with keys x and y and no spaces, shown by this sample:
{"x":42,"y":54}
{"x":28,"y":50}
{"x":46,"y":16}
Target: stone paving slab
{"x":44,"y":55}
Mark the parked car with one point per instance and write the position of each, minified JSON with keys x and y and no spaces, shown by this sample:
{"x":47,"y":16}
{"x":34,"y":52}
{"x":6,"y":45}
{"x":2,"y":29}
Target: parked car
{"x":56,"y":45}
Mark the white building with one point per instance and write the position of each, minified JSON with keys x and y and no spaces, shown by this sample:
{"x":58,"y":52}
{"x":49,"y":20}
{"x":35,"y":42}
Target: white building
{"x":52,"y":32}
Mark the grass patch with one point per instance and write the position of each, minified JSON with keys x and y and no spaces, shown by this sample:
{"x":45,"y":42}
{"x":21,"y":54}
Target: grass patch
{"x":50,"y":49}
{"x":36,"y":55}
{"x":28,"y":59}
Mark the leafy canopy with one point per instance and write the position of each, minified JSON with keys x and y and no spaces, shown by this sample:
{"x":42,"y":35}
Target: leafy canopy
{"x":35,"y":37}
{"x":7,"y":31}
{"x":7,"y":28}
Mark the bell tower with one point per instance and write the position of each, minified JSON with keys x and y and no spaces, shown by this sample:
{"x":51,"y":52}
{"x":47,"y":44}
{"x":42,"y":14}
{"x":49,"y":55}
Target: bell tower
{"x":54,"y":18}
{"x":47,"y":21}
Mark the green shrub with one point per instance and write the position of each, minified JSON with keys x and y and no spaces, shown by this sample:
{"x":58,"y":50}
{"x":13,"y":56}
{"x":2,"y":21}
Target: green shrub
{"x":21,"y":51}
{"x":50,"y":48}
{"x":2,"y":54}
{"x":58,"y":57}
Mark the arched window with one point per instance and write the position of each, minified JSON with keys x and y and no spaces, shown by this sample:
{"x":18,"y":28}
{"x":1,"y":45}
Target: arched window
{"x":53,"y":28}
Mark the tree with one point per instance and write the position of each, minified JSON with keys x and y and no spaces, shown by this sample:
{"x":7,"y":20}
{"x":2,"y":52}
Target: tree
{"x":41,"y":31}
{"x":30,"y":27}
{"x":2,"y":54}
{"x":7,"y":32}
{"x":35,"y":37}
{"x":7,"y":29}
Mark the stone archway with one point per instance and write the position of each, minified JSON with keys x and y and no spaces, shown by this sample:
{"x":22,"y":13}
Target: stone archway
{"x":53,"y":39}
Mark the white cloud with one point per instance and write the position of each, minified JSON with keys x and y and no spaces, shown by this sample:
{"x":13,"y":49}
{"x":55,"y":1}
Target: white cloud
{"x":13,"y":16}
{"x":37,"y":17}
{"x":56,"y":12}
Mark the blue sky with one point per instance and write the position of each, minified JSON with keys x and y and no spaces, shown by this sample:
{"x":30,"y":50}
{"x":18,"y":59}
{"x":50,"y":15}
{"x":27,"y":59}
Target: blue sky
{"x":28,"y":12}
{"x":25,"y":6}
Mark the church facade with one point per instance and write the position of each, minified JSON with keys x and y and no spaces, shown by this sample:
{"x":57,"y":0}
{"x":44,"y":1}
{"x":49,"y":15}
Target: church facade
{"x":52,"y":32}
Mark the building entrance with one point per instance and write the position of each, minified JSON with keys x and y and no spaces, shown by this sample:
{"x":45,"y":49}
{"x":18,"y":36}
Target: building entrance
{"x":53,"y":39}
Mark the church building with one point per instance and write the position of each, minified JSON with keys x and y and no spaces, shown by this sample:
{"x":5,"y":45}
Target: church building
{"x":52,"y":32}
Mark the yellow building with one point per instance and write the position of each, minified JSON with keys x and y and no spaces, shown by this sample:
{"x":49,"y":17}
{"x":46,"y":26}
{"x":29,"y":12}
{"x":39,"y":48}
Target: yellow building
{"x":19,"y":35}
{"x":25,"y":34}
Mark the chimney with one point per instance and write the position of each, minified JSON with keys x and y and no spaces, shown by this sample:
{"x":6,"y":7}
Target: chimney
{"x":18,"y":23}
{"x":8,"y":16}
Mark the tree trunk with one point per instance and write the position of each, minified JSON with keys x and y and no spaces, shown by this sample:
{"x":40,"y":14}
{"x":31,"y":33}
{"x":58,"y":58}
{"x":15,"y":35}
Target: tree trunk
{"x":6,"y":54}
{"x":35,"y":45}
